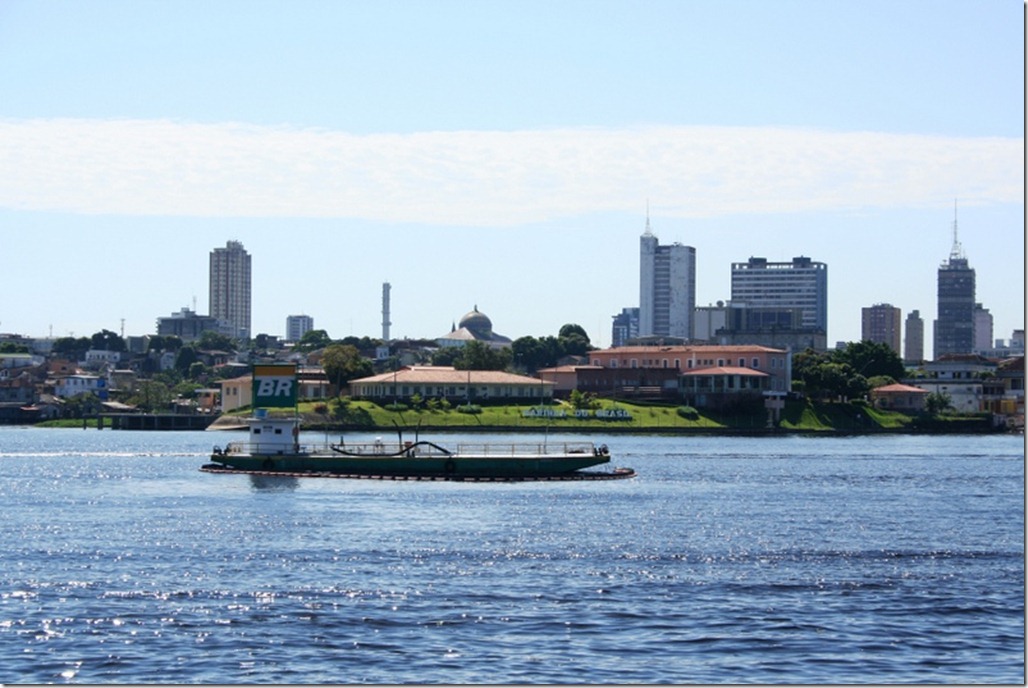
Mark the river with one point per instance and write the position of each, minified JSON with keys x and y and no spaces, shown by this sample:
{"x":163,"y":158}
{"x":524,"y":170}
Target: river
{"x":791,"y":559}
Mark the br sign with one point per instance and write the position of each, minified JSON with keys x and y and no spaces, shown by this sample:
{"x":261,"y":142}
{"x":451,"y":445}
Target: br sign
{"x":274,"y":386}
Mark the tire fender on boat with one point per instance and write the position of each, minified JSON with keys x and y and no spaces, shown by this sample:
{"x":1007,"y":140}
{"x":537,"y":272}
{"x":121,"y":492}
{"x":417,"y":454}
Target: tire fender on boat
{"x":449,"y":466}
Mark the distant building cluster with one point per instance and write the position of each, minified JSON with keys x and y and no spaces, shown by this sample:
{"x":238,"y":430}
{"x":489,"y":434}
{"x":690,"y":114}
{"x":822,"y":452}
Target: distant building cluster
{"x":665,"y":348}
{"x":785,"y":304}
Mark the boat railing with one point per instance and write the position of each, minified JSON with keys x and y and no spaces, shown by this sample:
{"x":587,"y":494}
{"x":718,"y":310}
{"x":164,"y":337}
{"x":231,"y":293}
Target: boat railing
{"x":423,"y":449}
{"x":526,"y":448}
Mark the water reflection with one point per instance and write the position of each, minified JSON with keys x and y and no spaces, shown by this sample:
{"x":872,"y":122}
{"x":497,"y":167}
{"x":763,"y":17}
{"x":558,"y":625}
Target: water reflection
{"x":269,"y":483}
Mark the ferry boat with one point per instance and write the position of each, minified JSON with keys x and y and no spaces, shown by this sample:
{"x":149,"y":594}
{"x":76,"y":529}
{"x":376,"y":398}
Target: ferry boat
{"x":273,"y":447}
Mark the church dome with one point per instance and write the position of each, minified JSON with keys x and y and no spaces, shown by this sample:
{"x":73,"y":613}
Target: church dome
{"x":477,"y":323}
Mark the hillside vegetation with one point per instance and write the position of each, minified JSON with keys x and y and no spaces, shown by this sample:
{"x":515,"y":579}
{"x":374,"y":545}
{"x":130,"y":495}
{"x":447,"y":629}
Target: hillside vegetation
{"x":798,"y":416}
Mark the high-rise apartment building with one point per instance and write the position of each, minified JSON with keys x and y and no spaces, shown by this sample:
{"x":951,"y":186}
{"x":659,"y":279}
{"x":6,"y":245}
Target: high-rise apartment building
{"x":780,"y":288}
{"x":625,"y":327}
{"x":982,"y":328}
{"x":881,"y":324}
{"x":230,"y":287}
{"x":913,"y":343}
{"x":297,"y":326}
{"x":954,"y":326}
{"x":667,"y":287}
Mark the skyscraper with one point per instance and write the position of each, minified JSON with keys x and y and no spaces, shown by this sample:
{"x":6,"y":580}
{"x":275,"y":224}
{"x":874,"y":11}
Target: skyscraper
{"x":954,"y":327}
{"x":667,"y":287}
{"x":769,"y":291}
{"x":913,"y":343}
{"x":881,"y":323}
{"x":230,"y":287}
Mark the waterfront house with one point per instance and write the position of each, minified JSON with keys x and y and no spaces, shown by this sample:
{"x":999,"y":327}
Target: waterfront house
{"x":899,"y":397}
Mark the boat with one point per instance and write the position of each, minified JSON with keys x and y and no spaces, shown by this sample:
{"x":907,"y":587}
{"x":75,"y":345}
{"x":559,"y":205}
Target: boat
{"x":273,"y":447}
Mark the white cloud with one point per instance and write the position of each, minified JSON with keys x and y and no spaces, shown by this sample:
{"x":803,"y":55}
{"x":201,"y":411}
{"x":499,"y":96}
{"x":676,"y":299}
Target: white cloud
{"x":160,"y":167}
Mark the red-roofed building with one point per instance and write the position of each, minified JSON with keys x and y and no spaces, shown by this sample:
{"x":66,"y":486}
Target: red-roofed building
{"x":444,"y":382}
{"x":899,"y":397}
{"x":722,"y":386}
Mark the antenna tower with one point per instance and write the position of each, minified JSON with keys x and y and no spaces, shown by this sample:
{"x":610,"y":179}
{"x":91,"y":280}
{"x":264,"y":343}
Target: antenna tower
{"x":385,"y":311}
{"x":957,"y":252}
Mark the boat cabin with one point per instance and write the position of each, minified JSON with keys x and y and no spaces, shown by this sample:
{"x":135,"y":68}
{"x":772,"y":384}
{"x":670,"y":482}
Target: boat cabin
{"x":273,"y":435}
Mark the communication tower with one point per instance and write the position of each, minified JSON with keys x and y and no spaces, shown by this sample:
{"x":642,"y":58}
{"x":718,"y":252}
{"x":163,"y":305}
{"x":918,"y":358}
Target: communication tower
{"x":385,"y":311}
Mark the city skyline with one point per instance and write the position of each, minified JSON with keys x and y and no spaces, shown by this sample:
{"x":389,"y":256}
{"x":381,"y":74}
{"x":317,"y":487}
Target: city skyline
{"x":501,"y":155}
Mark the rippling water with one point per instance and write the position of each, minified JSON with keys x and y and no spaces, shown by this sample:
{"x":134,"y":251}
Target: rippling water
{"x":880,"y":559}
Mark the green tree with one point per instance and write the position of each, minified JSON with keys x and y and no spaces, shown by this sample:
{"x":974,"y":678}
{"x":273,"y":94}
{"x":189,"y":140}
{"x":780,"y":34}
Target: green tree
{"x":937,"y":402}
{"x":445,"y":356}
{"x":151,"y":396}
{"x":479,"y":356}
{"x":528,"y":354}
{"x":105,"y":340}
{"x":312,"y":340}
{"x":215,"y":341}
{"x":185,"y":358}
{"x":72,"y":348}
{"x":871,"y":359}
{"x":198,"y":372}
{"x":343,"y":362}
{"x":570,"y":329}
{"x":880,"y":381}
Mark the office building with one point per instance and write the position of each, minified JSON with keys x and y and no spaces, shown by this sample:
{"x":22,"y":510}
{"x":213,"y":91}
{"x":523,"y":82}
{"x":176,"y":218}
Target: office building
{"x":297,"y":326}
{"x":982,"y":328}
{"x":913,"y":343}
{"x":667,"y":288}
{"x":881,"y":323}
{"x":954,"y":326}
{"x":230,"y":287}
{"x":771,"y":292}
{"x":625,"y":327}
{"x":188,"y":326}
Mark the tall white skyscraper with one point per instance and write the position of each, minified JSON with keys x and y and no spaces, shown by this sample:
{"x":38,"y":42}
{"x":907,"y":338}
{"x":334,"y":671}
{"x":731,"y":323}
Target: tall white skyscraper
{"x":667,"y":287}
{"x":230,"y":287}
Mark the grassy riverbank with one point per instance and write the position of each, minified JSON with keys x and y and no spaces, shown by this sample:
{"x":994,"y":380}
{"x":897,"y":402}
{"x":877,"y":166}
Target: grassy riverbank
{"x":798,"y":416}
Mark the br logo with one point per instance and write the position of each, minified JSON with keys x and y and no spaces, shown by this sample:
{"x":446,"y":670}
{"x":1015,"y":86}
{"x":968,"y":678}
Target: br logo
{"x":275,"y":387}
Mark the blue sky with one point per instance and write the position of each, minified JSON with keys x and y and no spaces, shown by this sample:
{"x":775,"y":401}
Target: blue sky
{"x":501,"y":154}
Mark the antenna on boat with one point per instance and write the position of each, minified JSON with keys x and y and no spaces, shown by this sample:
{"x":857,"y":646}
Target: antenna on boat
{"x":399,"y":433}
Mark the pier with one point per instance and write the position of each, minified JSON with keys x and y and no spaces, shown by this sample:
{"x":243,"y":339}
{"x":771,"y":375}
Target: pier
{"x":148,"y":421}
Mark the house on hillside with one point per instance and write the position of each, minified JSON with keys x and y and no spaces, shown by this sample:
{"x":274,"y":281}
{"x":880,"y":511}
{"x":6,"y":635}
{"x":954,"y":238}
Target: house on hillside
{"x":899,"y":397}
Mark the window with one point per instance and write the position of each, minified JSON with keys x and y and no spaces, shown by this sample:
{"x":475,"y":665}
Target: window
{"x":756,"y":363}
{"x":742,"y":362}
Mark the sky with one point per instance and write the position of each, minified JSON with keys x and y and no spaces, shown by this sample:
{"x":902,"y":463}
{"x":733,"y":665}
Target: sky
{"x":500,"y":155}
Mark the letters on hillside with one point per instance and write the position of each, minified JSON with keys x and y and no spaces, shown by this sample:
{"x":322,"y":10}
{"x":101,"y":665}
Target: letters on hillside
{"x":274,"y":386}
